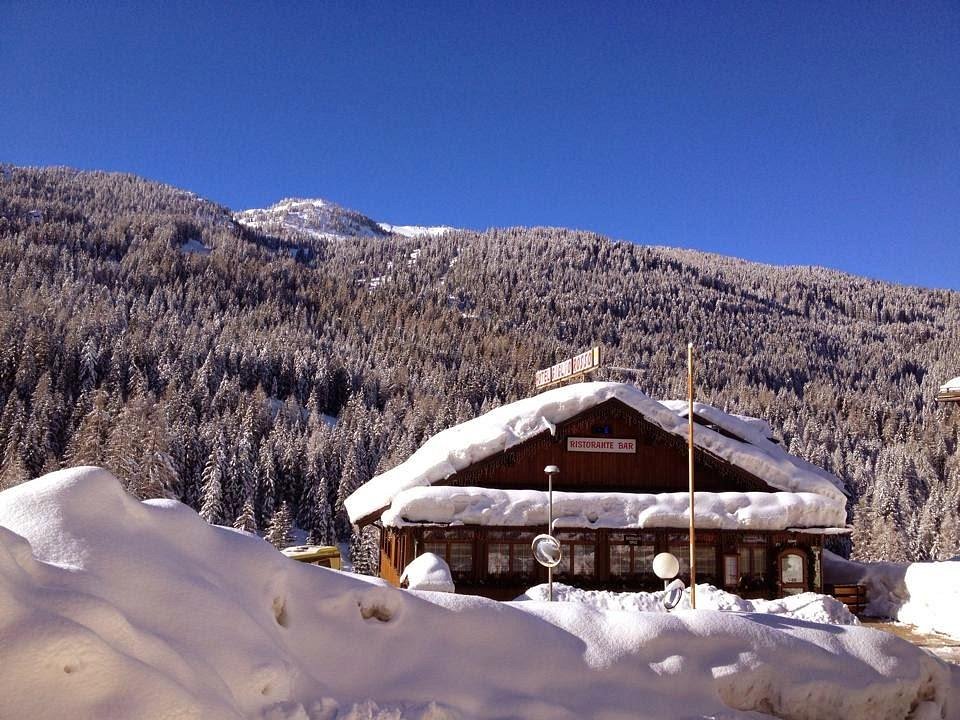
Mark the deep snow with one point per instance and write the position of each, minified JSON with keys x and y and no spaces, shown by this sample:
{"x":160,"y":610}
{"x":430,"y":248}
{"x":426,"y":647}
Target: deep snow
{"x":806,"y":606}
{"x":923,"y":594}
{"x":113,"y":608}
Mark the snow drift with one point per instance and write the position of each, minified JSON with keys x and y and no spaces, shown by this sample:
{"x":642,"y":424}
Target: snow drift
{"x":923,"y":594}
{"x":806,"y":606}
{"x":113,"y":608}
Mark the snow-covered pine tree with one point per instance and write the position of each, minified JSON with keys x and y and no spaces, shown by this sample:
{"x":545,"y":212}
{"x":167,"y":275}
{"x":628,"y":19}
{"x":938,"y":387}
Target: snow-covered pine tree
{"x":279,"y":532}
{"x":365,"y":550}
{"x":321,"y":530}
{"x":246,"y":520}
{"x":266,"y":494}
{"x":211,"y":508}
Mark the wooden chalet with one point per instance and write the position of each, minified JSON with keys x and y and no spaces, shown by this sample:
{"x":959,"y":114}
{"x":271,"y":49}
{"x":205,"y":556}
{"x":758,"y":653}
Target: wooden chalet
{"x":475,"y":495}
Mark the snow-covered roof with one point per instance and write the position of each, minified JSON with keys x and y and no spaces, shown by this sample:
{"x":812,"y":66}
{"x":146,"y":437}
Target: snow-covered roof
{"x":526,"y":508}
{"x":461,"y":446}
{"x":951,"y":386}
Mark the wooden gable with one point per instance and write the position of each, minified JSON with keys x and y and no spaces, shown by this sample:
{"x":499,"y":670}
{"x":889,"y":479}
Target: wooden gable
{"x":659,"y":463}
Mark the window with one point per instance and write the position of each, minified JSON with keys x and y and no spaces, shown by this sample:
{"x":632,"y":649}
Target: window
{"x":455,"y":545}
{"x":678,"y":544}
{"x":631,"y":553}
{"x":791,"y":568}
{"x":753,"y":561}
{"x":461,"y":558}
{"x":731,"y":570}
{"x":498,"y":558}
{"x":578,"y":554}
{"x":706,"y":562}
{"x":509,"y":553}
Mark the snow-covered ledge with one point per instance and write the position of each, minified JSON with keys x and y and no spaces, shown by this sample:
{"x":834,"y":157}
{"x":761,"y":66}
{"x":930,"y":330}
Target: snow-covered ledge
{"x":524,"y":508}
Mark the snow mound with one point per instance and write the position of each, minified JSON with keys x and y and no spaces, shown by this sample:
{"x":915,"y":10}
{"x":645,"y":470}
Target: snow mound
{"x":428,"y":572}
{"x":810,"y":607}
{"x":524,"y":508}
{"x":923,"y":594}
{"x":459,"y":447}
{"x":113,"y":608}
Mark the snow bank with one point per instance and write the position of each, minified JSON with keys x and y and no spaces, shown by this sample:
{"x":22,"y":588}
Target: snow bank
{"x":809,"y":606}
{"x":524,"y":508}
{"x":459,"y":447}
{"x":112,"y":608}
{"x":925,"y":594}
{"x":428,"y":572}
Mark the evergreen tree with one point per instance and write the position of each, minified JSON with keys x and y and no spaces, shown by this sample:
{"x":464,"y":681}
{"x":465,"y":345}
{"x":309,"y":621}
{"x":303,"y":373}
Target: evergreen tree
{"x":279,"y":532}
{"x":246,"y":520}
{"x":211,"y":509}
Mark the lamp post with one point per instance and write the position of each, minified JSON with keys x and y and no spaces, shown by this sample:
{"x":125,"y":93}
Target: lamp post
{"x":550,"y":470}
{"x":693,"y":541}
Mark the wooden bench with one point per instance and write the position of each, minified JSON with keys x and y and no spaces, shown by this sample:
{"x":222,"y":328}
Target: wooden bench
{"x":853,"y":596}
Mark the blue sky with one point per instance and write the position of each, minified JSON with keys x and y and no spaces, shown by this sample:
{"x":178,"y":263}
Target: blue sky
{"x":785,"y":132}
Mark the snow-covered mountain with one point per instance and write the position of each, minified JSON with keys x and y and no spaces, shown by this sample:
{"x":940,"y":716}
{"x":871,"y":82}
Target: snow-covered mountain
{"x":323,"y":219}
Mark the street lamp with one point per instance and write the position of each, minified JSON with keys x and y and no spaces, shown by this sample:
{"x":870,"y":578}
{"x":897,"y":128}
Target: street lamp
{"x":545,"y":548}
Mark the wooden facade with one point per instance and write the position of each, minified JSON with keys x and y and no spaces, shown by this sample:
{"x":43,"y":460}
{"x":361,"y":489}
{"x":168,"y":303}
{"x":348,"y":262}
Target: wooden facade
{"x":497,"y":561}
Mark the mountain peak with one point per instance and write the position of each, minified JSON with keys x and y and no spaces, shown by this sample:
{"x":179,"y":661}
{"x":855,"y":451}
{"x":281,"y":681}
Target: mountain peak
{"x":324,"y":219}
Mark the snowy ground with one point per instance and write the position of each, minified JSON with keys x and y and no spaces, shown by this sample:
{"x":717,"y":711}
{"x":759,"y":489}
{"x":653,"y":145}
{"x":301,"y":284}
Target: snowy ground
{"x":112,"y":608}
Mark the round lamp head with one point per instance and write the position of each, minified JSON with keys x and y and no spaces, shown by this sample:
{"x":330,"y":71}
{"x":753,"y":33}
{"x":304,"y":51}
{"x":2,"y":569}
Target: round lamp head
{"x":551,"y":469}
{"x":546,"y":550}
{"x":666,"y":566}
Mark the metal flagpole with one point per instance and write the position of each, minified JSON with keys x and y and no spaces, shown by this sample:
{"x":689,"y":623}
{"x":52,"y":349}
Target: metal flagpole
{"x":693,"y":541}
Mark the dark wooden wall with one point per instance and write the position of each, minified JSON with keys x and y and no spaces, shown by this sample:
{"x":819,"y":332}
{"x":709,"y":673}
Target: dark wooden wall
{"x":400,"y":545}
{"x":659,"y":465}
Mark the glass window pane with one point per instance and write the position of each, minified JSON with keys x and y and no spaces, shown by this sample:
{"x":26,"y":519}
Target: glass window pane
{"x":566,"y":552}
{"x":523,"y":559}
{"x":682,"y":553}
{"x":791,"y":568}
{"x":643,"y":559}
{"x":498,"y":558}
{"x":706,"y":560}
{"x":461,"y":557}
{"x":437,"y":549}
{"x":619,"y":560}
{"x":583,"y":560}
{"x":731,"y":571}
{"x":759,"y":564}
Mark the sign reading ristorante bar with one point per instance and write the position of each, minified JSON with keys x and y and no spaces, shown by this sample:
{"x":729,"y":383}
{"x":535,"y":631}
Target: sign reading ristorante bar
{"x":601,"y":445}
{"x":577,"y":365}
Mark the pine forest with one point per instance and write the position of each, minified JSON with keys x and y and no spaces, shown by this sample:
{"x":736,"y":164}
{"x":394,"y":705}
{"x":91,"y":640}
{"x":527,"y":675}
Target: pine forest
{"x":261,"y":376}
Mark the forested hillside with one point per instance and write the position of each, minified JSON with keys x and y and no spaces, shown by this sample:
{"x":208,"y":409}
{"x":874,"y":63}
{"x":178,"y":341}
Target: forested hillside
{"x":143,"y":329}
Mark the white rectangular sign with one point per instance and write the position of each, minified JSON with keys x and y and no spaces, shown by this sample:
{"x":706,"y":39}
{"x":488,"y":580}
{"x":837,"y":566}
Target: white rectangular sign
{"x":577,"y":365}
{"x":601,"y":445}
